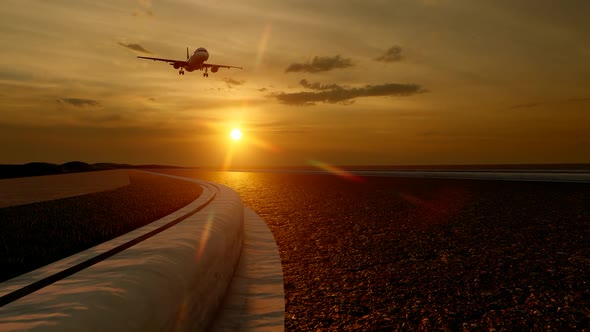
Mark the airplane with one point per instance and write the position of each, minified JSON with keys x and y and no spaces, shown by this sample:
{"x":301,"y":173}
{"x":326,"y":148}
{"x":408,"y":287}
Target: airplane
{"x":194,"y":62}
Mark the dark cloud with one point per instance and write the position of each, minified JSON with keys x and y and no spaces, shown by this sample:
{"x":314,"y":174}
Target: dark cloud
{"x":319,"y":64}
{"x":338,"y":94}
{"x":135,"y":47}
{"x":262,"y":89}
{"x":393,"y":54}
{"x":318,"y":86}
{"x":79,"y":102}
{"x":231,"y":82}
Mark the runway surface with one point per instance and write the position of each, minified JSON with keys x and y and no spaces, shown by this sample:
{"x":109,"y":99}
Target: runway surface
{"x":390,"y":253}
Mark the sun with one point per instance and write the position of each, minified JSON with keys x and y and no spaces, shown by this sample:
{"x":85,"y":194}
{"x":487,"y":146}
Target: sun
{"x":236,"y":134}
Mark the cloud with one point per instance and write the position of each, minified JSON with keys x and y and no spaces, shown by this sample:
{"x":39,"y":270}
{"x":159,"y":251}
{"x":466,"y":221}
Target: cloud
{"x":79,"y":102}
{"x":318,"y":86}
{"x":135,"y":47}
{"x":231,"y":82}
{"x":337,"y":94}
{"x":394,"y":54}
{"x":319,"y":64}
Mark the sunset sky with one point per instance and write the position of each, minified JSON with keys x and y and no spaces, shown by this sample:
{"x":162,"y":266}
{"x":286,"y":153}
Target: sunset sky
{"x":340,"y":82}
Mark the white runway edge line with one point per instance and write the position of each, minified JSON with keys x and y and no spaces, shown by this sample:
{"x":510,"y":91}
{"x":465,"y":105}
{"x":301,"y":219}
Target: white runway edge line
{"x":45,"y":274}
{"x":174,"y":280}
{"x":256,"y":298}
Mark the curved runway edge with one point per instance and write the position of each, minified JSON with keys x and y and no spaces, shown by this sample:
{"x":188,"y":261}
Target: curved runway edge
{"x":256,"y":299}
{"x":175,"y":279}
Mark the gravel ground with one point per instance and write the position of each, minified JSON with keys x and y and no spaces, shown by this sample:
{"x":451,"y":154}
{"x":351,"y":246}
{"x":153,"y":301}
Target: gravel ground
{"x":36,"y":234}
{"x":425,"y":254}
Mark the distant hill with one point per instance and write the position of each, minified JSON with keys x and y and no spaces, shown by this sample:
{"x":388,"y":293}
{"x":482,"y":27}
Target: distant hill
{"x":39,"y":168}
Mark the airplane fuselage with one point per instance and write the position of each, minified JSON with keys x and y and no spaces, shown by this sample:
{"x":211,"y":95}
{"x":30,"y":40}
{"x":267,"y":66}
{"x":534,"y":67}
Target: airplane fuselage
{"x":193,"y":62}
{"x":196,"y":60}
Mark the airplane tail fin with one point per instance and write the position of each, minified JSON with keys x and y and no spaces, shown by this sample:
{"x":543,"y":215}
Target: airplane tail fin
{"x":187,"y":53}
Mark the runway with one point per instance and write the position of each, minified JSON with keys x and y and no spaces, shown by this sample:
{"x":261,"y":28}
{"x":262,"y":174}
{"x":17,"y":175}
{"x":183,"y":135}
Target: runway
{"x":392,"y":253}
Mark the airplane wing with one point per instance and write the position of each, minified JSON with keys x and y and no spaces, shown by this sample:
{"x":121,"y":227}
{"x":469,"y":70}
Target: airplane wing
{"x":180,"y":63}
{"x":210,"y":65}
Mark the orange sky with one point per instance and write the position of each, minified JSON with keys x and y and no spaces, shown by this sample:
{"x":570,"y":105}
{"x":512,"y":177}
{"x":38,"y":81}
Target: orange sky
{"x":341,"y":82}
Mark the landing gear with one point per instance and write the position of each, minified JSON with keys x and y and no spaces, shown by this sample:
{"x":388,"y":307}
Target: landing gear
{"x":181,"y":71}
{"x":206,"y":74}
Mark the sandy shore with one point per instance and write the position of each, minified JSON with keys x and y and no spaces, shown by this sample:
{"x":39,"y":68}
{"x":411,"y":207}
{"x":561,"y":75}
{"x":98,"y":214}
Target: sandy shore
{"x":425,"y":254}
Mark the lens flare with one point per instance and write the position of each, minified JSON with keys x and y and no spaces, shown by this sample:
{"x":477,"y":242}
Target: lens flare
{"x":205,"y":235}
{"x":262,"y":44}
{"x":336,"y":171}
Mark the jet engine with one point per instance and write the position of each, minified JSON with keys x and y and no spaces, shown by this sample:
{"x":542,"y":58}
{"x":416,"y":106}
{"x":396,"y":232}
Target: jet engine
{"x":176,"y":65}
{"x":214,"y":69}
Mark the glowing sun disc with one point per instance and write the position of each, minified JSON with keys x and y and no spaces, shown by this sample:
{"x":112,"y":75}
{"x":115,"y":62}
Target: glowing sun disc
{"x":236,"y":134}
